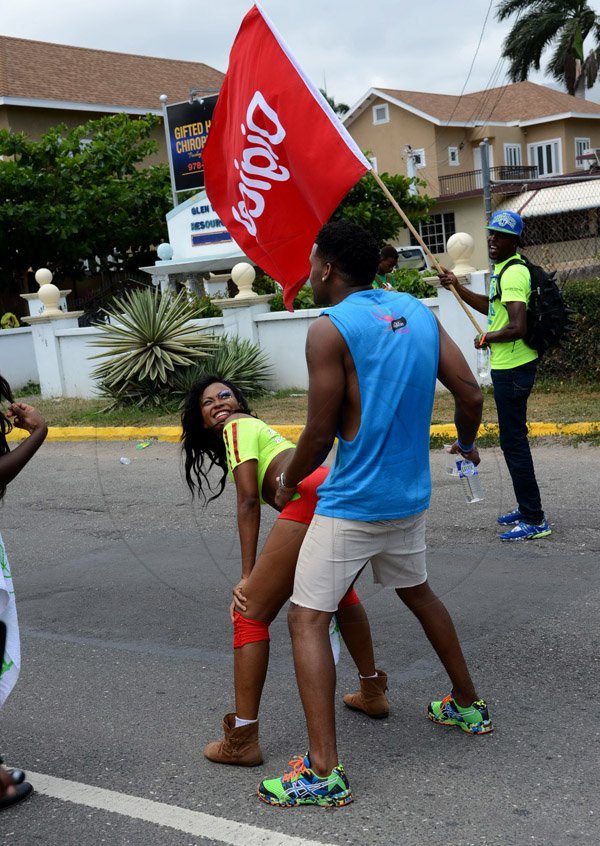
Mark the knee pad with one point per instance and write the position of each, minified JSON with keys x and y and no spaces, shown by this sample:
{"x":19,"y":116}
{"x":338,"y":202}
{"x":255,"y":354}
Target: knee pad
{"x":248,"y":631}
{"x":348,"y":599}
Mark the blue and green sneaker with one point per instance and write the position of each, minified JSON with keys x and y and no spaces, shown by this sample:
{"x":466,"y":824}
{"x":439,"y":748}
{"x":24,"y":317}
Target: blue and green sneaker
{"x":474,"y":720}
{"x":527,"y":531}
{"x":302,"y":786}
{"x":511,"y":518}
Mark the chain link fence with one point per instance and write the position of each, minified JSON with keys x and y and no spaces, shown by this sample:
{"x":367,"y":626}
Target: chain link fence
{"x":562,"y":222}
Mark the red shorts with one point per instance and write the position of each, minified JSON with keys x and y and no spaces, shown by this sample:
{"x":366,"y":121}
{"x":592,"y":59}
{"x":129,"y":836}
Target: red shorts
{"x":302,"y":508}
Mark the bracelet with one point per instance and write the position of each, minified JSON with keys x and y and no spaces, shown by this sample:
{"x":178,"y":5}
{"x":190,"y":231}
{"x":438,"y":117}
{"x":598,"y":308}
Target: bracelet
{"x":464,"y":448}
{"x":282,"y":483}
{"x":482,"y":339}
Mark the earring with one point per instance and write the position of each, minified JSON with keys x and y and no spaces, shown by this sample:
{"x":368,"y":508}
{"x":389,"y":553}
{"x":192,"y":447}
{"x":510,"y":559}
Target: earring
{"x":322,"y":279}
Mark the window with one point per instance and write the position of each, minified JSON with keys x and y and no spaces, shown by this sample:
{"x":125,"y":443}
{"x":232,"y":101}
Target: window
{"x":436,"y":232}
{"x":512,"y":155}
{"x":418,"y":157}
{"x":381,"y":113}
{"x":546,"y":157}
{"x":453,"y":159}
{"x":582,"y":145}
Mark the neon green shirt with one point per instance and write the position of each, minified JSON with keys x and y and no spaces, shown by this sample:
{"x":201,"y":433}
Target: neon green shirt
{"x":515,"y":287}
{"x":381,"y":280}
{"x":248,"y":438}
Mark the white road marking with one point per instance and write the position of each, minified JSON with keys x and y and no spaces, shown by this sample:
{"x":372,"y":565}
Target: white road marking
{"x":181,"y":819}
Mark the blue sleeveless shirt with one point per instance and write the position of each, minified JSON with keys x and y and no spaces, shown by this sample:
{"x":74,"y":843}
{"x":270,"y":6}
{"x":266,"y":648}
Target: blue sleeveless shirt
{"x":383,"y":472}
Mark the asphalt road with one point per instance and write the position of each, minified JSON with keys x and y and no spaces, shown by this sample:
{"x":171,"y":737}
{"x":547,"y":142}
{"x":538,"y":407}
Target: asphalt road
{"x":122,"y":589}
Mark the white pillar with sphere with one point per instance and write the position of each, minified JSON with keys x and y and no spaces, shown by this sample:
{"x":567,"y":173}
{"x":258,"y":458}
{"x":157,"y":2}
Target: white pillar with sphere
{"x":44,"y":327}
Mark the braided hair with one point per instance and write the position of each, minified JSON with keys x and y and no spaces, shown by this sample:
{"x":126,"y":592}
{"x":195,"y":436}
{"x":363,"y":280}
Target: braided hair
{"x":200,"y":443}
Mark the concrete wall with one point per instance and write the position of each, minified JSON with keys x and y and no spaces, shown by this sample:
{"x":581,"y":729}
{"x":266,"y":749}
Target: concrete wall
{"x":17,"y":359}
{"x":76,"y":350}
{"x":283,"y":337}
{"x":67,"y":363}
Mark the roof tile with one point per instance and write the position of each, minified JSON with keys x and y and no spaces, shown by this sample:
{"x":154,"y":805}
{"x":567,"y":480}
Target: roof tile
{"x":41,"y":71}
{"x":519,"y":101}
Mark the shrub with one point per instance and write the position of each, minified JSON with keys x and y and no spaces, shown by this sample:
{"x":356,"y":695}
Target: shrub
{"x":207,"y":308}
{"x":303,"y":299}
{"x":147,"y":342}
{"x":578,"y":358}
{"x":9,"y":321}
{"x":412,"y":281}
{"x":238,"y":361}
{"x":263,"y":284}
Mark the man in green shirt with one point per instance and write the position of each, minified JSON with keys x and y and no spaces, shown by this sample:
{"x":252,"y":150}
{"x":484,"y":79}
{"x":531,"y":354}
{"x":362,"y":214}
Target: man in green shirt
{"x":513,"y":369}
{"x":388,"y":259}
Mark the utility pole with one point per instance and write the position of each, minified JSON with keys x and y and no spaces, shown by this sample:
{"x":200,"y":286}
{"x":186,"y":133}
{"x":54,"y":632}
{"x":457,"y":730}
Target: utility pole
{"x":163,"y":99}
{"x":485,"y":177}
{"x":411,"y":170}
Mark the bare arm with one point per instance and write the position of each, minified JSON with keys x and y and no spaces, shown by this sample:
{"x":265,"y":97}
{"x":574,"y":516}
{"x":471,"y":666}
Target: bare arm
{"x":248,"y":513}
{"x":477,"y":301}
{"x":326,"y":390}
{"x":27,"y":418}
{"x":454,"y":373}
{"x":515,"y":328}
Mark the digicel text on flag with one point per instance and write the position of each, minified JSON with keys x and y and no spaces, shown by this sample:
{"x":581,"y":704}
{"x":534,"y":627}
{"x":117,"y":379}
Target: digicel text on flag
{"x":277,"y":161}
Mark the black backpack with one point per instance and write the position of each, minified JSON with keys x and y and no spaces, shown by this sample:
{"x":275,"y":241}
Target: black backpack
{"x":548,"y":316}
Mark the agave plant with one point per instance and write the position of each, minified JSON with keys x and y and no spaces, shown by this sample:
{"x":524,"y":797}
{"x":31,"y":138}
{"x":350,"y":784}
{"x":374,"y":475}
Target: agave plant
{"x":239,"y":361}
{"x":147,"y":344}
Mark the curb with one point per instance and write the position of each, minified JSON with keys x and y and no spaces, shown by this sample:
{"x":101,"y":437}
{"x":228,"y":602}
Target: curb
{"x":172,"y":433}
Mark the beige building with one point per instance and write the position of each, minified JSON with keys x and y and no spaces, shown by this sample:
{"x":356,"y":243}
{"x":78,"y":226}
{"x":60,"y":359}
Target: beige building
{"x":42,"y":85}
{"x":536,"y":135}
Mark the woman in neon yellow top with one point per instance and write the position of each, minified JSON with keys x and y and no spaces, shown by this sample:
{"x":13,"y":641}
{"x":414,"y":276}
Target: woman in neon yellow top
{"x":220,"y":431}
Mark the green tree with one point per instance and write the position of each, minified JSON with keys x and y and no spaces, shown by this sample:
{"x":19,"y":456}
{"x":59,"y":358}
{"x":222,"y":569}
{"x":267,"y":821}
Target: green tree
{"x":560,"y":25}
{"x":367,"y":205}
{"x":339,"y":108}
{"x":79,"y":194}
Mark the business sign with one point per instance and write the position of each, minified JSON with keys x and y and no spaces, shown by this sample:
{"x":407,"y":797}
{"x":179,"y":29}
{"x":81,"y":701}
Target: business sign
{"x":196,"y":231}
{"x":187,"y":127}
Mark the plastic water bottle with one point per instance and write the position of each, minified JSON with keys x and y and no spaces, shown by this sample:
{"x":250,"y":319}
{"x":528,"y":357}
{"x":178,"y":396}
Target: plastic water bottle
{"x":451,"y":461}
{"x":483,"y":362}
{"x":471,"y":481}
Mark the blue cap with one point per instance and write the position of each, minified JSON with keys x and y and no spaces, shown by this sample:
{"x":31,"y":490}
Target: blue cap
{"x":508,"y":222}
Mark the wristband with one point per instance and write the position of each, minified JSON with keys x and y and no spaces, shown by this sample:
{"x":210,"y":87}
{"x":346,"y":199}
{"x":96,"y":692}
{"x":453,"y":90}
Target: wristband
{"x":464,"y":448}
{"x":482,"y":339}
{"x":282,"y":483}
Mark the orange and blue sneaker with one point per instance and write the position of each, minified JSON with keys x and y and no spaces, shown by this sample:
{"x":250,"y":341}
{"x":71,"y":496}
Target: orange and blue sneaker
{"x":475,"y":719}
{"x":302,"y":786}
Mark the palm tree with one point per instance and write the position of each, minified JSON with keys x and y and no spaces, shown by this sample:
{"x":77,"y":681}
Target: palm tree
{"x":562,"y":25}
{"x":339,"y":108}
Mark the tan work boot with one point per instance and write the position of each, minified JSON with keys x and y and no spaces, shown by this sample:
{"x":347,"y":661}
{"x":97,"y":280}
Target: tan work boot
{"x":371,"y":698}
{"x":239,"y":746}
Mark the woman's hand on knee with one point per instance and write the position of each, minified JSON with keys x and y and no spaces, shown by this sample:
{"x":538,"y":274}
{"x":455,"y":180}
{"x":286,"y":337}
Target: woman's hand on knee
{"x":239,"y":598}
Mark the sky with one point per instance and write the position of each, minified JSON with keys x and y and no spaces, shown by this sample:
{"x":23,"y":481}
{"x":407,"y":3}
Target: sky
{"x":344,"y":46}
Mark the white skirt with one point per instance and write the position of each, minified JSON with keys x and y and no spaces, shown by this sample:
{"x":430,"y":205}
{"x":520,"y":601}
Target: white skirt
{"x":9,"y":668}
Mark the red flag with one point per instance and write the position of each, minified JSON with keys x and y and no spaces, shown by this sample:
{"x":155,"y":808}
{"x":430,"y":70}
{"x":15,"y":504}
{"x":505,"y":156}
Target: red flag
{"x":277,"y":160}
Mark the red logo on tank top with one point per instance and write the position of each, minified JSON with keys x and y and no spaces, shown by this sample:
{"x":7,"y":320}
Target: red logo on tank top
{"x":394,"y":322}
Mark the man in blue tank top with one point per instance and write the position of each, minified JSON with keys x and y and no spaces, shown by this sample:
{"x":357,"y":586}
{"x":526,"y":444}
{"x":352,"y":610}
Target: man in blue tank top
{"x":373,"y":359}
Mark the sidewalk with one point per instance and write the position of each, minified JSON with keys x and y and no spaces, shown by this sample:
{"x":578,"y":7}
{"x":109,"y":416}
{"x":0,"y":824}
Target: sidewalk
{"x":172,"y":434}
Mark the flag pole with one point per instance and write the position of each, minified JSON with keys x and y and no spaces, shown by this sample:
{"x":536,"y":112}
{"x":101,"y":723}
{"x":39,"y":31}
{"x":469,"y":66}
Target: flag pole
{"x":428,"y":252}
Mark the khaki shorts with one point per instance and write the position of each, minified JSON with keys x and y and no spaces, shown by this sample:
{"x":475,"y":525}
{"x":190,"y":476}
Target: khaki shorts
{"x":334,"y":552}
